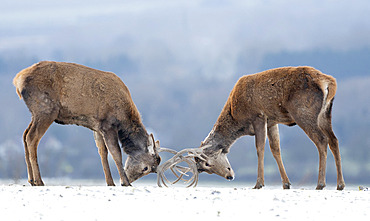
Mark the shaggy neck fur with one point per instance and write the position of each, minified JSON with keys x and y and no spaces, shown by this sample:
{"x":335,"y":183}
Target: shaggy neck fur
{"x":225,"y":132}
{"x":134,"y":138}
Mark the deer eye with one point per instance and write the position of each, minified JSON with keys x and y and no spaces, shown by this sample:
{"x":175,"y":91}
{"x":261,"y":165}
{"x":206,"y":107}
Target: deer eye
{"x":207,"y":165}
{"x":145,"y":169}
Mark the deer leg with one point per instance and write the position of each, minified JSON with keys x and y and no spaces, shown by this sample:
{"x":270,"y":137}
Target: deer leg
{"x":325,"y":125}
{"x":333,"y":145}
{"x":103,"y":152}
{"x":38,"y":127}
{"x":274,"y":141}
{"x":322,"y":148}
{"x":260,"y":130}
{"x":27,"y":155}
{"x":111,"y":141}
{"x":321,"y":142}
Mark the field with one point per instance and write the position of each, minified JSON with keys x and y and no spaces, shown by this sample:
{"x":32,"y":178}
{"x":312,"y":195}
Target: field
{"x":92,"y":200}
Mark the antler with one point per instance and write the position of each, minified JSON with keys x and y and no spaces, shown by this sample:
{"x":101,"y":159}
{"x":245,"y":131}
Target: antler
{"x":176,"y":159}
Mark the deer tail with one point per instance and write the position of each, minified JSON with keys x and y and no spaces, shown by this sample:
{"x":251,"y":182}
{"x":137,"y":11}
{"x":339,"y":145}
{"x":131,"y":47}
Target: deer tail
{"x":329,"y":88}
{"x":17,"y":83}
{"x":19,"y":79}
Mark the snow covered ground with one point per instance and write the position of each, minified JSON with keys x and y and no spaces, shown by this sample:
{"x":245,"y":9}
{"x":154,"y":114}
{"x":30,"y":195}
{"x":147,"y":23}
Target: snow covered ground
{"x":95,"y":201}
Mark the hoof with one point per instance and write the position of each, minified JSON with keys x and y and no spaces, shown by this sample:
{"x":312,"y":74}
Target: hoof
{"x":286,"y":186}
{"x":340,"y":186}
{"x":37,"y":183}
{"x":258,"y":186}
{"x":320,"y":186}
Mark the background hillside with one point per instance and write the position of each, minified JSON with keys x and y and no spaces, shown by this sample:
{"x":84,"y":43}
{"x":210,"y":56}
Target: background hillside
{"x":180,"y":59}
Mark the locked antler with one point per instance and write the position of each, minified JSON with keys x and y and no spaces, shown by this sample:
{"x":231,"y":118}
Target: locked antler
{"x":172,"y":165}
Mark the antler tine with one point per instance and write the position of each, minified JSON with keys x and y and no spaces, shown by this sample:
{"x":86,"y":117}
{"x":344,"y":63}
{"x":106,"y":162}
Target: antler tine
{"x":194,"y":169}
{"x":193,"y":179}
{"x":165,"y":149}
{"x":182,"y":170}
{"x":176,"y":159}
{"x":159,"y":179}
{"x":162,"y":178}
{"x":177,"y":176}
{"x":161,"y":168}
{"x":164,"y":167}
{"x":194,"y":152}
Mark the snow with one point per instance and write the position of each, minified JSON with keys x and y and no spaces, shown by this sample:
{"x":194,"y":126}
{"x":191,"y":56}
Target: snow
{"x":95,"y":201}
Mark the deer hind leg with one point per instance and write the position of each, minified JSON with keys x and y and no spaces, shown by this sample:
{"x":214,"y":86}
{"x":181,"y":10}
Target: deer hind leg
{"x":111,"y":141}
{"x":103,"y":152}
{"x":326,"y":127}
{"x":27,"y":155}
{"x":321,"y":143}
{"x":274,"y":141}
{"x":32,"y":137}
{"x":260,"y":138}
{"x":309,"y":124}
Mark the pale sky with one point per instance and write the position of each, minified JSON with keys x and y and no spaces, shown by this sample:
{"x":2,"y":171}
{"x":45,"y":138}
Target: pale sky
{"x":208,"y":35}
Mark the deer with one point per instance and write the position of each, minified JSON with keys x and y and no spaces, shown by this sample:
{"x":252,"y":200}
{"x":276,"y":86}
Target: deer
{"x":290,"y":96}
{"x":69,"y":93}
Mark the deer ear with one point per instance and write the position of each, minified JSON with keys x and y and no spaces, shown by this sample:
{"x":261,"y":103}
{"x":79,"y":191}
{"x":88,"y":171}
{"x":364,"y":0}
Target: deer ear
{"x":151,"y":144}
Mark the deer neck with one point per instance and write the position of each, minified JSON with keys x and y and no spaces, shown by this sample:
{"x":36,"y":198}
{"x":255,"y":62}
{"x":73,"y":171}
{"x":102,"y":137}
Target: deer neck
{"x":223,"y":135}
{"x":134,"y":138}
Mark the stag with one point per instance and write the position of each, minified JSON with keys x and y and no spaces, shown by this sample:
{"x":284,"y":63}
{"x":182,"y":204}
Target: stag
{"x":68,"y":93}
{"x":300,"y":96}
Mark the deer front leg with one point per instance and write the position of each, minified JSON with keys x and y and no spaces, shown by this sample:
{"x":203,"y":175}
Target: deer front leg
{"x":111,"y":141}
{"x":260,"y":130}
{"x":103,"y":152}
{"x":274,"y":141}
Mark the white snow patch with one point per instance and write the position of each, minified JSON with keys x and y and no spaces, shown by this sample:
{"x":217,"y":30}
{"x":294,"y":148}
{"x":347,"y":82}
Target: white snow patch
{"x":143,"y":201}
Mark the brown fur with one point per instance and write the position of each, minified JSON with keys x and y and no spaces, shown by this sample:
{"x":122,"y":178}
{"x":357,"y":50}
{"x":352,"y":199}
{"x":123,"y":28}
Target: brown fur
{"x":69,"y":93}
{"x":258,"y":102}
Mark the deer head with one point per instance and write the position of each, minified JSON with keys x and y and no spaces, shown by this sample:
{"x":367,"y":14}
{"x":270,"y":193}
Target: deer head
{"x":141,"y":163}
{"x":215,"y":162}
